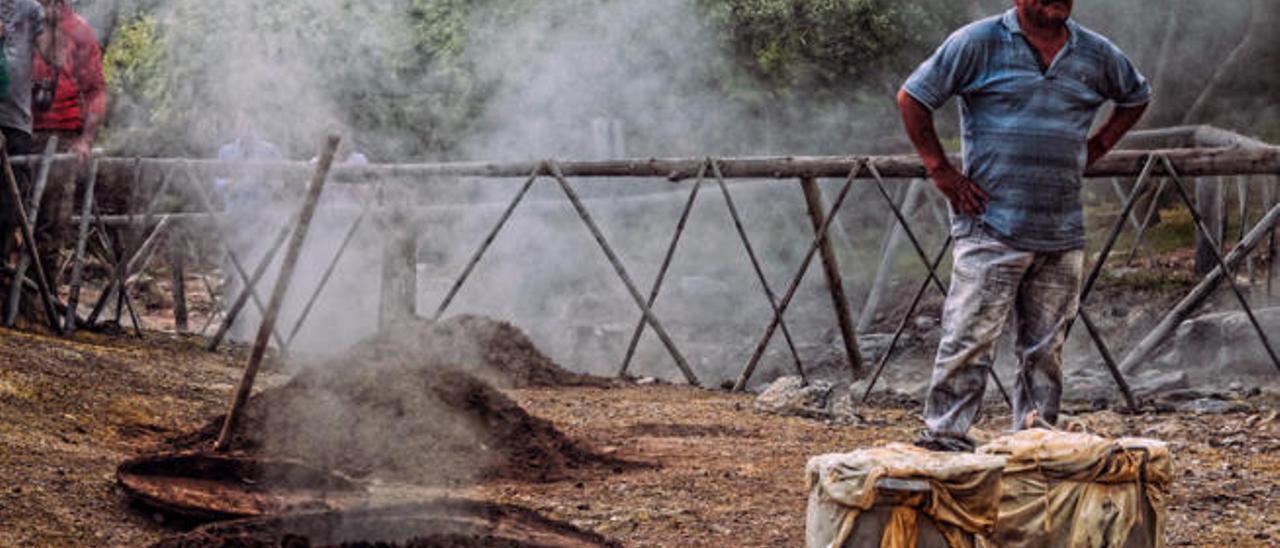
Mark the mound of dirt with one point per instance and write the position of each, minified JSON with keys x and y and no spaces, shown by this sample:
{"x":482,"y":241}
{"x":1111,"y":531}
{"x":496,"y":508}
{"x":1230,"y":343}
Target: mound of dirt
{"x":494,"y":351}
{"x":410,"y":412}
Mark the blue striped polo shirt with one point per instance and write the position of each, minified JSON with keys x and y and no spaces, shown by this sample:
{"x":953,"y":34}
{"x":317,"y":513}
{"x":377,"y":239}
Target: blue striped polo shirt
{"x":1026,"y":128}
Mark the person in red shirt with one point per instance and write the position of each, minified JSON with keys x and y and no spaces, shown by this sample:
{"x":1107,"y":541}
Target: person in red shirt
{"x":70,"y":95}
{"x":68,"y":101}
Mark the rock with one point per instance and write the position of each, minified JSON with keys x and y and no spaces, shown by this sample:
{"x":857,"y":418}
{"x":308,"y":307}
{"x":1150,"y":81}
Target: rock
{"x":1212,"y":406}
{"x":1189,"y":394}
{"x":1153,"y":382}
{"x":844,"y":406}
{"x":1219,"y":347}
{"x":925,"y":323}
{"x":874,"y":345}
{"x":790,"y":396}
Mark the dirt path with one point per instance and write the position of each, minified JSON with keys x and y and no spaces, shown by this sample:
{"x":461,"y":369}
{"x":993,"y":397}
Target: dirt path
{"x":731,"y":476}
{"x":72,"y":410}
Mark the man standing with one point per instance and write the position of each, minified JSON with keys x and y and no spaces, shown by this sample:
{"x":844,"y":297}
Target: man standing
{"x":1030,"y":82}
{"x":68,"y":101}
{"x":22,"y":24}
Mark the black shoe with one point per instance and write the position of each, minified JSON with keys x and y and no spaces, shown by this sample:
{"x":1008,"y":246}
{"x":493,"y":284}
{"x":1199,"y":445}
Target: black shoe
{"x":944,"y":442}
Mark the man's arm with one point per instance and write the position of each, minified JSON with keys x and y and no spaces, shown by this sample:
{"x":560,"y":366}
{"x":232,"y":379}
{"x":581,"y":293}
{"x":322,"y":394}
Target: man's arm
{"x":965,"y":195}
{"x":1122,"y":119}
{"x":92,"y":86}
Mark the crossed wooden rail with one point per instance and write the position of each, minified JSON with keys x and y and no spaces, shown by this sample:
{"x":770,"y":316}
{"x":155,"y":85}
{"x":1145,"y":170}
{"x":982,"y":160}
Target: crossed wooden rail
{"x":1170,"y":165}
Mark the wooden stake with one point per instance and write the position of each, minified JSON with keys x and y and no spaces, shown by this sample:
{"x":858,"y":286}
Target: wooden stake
{"x":328,"y":272}
{"x":277,"y":295}
{"x":889,"y":252}
{"x":662,"y":272}
{"x":622,"y":274}
{"x":77,"y":265}
{"x":1200,"y":293}
{"x":1108,"y":361}
{"x":116,"y":259}
{"x":1222,"y":264}
{"x":484,"y":245}
{"x":755,"y":265}
{"x":831,"y":267}
{"x":24,"y":262}
{"x":763,"y":344}
{"x":178,"y":270}
{"x":28,"y":238}
{"x":237,"y":305}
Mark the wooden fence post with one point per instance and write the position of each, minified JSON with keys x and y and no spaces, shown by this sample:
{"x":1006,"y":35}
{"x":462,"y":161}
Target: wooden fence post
{"x":399,"y":293}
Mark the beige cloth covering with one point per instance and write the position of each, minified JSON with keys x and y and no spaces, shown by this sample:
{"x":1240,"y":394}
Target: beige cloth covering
{"x":1066,"y":489}
{"x":963,"y":498}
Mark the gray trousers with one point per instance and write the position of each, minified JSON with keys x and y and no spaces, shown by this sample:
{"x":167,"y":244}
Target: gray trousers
{"x":989,"y":279}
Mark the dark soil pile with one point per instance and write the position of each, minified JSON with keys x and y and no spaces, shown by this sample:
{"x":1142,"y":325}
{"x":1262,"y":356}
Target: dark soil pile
{"x":494,"y":351}
{"x":400,"y":414}
{"x":437,"y":524}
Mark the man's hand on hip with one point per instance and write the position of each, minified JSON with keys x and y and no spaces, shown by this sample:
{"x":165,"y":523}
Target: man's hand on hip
{"x":83,"y":149}
{"x":964,"y":194}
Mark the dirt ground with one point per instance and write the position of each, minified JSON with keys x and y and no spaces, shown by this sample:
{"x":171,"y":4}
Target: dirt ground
{"x":72,"y":410}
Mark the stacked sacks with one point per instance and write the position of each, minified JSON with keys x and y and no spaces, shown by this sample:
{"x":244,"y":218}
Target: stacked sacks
{"x":1031,"y":488}
{"x":901,"y":496}
{"x":1076,"y":489}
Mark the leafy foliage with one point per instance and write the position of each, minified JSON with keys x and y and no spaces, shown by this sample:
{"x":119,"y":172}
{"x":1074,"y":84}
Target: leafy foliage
{"x":826,"y":44}
{"x":404,"y":78}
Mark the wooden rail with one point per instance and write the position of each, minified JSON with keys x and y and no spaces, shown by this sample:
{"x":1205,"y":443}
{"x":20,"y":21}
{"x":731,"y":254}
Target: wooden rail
{"x":1190,"y":162}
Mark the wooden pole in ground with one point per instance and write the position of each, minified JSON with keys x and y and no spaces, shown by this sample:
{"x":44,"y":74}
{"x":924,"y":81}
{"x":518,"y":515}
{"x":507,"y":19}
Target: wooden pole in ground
{"x":621,"y":270}
{"x":906,"y":320}
{"x":1226,"y":268}
{"x":484,"y":245}
{"x":116,"y":259}
{"x":1272,"y":199}
{"x":178,"y":271}
{"x":1211,"y":205}
{"x":662,"y":273}
{"x":763,"y":343}
{"x":28,"y":238}
{"x":237,"y":305}
{"x":1152,"y":209}
{"x":265,"y":330}
{"x":82,"y":239}
{"x":399,"y":289}
{"x":24,"y":262}
{"x":890,"y":250}
{"x":1242,"y":194}
{"x":1109,"y":361}
{"x":759,"y":270}
{"x":328,"y":273}
{"x":831,"y":267}
{"x":1200,"y":293}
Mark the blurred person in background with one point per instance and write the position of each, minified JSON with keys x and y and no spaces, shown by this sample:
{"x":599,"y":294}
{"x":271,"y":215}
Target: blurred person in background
{"x":248,"y":202}
{"x":22,"y":24}
{"x":68,"y":101}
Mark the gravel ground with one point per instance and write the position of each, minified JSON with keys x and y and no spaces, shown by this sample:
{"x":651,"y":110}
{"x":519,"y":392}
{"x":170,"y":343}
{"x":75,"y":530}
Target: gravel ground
{"x":74,"y":409}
